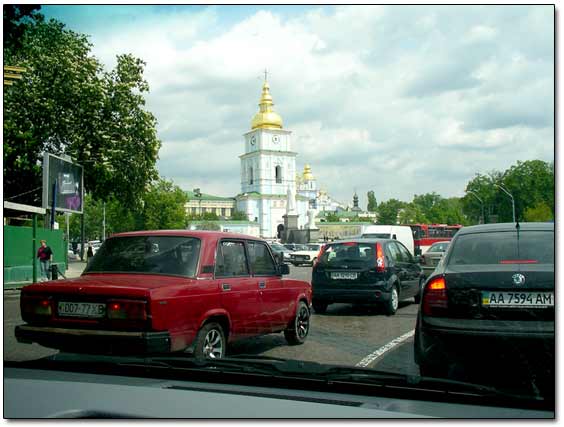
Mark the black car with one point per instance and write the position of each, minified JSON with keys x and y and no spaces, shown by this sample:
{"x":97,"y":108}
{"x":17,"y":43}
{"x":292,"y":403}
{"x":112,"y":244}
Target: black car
{"x":490,"y":301}
{"x":365,"y":271}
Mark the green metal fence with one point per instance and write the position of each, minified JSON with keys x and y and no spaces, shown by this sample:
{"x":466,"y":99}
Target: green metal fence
{"x":20,"y":252}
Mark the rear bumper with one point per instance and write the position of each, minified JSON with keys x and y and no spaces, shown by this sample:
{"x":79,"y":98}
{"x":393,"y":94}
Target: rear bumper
{"x":94,"y":341}
{"x":442,"y":340}
{"x":375,"y":294}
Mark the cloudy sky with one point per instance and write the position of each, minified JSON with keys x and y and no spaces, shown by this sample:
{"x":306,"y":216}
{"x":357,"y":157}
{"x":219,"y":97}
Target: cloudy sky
{"x":401,"y":100}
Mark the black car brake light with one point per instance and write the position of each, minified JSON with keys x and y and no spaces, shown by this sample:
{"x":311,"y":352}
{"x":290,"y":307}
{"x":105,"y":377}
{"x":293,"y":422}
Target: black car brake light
{"x":321,"y":250}
{"x":380,"y":259}
{"x":435,"y":297}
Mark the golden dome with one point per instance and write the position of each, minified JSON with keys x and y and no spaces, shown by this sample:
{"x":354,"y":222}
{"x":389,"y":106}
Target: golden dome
{"x":266,"y":118}
{"x":308,"y":176}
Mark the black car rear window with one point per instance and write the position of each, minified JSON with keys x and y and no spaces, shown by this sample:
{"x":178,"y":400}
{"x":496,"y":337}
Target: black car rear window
{"x":504,"y":247}
{"x":348,"y":253}
{"x":169,"y":255}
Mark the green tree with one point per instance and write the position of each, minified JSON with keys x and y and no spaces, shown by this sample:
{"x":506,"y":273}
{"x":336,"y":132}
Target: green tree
{"x":389,"y":210}
{"x":332,"y":217}
{"x":16,"y":20}
{"x":163,"y":207}
{"x":66,"y":104}
{"x":532,"y":185}
{"x":412,"y":214}
{"x":541,"y":212}
{"x":239,"y":216}
{"x":372,"y":204}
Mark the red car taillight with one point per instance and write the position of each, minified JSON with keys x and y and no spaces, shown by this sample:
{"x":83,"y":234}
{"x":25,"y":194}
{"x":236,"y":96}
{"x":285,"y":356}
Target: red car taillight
{"x":435,"y":298}
{"x":380,"y":258}
{"x":126,"y":310}
{"x":36,"y":307}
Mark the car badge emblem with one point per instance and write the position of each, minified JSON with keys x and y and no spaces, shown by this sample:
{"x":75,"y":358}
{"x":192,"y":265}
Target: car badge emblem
{"x":518,"y":279}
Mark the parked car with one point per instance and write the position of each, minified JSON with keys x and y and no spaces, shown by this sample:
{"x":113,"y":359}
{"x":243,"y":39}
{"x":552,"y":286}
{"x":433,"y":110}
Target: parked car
{"x":402,"y":233}
{"x":282,"y":252}
{"x":430,"y":259}
{"x":295,"y":246}
{"x":306,"y":256}
{"x":490,"y":301}
{"x":168,"y":291}
{"x":373,"y":271}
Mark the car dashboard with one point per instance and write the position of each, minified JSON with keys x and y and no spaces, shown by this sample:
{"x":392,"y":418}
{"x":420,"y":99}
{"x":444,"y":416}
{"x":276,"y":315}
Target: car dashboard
{"x":38,"y":393}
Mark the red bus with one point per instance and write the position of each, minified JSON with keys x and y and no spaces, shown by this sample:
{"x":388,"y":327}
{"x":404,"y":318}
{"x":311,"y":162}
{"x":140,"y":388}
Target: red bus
{"x":424,"y":235}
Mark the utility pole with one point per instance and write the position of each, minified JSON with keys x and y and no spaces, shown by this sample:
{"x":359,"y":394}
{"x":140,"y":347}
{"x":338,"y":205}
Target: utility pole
{"x":512,"y":199}
{"x":481,"y":204}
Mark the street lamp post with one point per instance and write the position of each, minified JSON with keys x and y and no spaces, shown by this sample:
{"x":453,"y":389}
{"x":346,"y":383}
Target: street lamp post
{"x":512,"y":199}
{"x":481,"y":203}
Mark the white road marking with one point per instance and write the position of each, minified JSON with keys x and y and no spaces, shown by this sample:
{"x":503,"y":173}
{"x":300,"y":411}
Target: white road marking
{"x":384,"y":349}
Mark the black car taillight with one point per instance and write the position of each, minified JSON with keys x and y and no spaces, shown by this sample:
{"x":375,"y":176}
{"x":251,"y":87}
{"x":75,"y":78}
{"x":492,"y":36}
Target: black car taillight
{"x":36,"y":307}
{"x":321,"y":250}
{"x":435,"y":298}
{"x":380,"y":258}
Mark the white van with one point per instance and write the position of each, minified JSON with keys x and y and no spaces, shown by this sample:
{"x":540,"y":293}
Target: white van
{"x":400,"y":233}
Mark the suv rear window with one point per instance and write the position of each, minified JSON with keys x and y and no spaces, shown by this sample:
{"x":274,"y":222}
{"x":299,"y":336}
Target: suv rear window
{"x":170,"y":255}
{"x":348,"y":253}
{"x":503,"y":247}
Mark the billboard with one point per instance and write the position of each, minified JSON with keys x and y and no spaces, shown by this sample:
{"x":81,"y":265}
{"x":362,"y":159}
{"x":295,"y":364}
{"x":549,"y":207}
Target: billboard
{"x":63,"y":184}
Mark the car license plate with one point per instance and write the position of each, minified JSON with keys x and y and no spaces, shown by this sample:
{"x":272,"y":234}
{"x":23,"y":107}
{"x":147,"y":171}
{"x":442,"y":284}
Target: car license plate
{"x":344,"y":276}
{"x":518,"y":299}
{"x":81,"y":309}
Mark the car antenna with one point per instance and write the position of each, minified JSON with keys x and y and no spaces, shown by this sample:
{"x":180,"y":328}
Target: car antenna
{"x":518,"y":228}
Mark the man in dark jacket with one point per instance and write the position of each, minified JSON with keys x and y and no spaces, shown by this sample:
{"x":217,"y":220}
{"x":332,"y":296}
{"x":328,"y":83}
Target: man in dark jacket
{"x":45,"y":255}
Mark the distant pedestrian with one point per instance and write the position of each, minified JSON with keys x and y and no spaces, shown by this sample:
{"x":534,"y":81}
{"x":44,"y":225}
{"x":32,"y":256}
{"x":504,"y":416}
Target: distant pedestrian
{"x":89,"y":252}
{"x":45,"y":255}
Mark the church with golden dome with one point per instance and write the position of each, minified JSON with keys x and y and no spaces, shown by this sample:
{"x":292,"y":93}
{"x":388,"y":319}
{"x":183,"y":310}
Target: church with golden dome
{"x":269,"y":188}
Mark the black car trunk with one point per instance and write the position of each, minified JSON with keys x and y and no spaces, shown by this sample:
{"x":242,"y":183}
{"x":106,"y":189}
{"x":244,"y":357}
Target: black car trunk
{"x":479,"y":291}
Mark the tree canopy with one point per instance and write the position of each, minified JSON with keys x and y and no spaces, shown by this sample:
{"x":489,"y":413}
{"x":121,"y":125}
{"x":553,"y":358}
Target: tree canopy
{"x":67,"y":104}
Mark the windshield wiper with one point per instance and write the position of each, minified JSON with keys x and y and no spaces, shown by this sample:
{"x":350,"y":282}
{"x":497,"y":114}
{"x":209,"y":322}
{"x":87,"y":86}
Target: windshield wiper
{"x":302,"y":371}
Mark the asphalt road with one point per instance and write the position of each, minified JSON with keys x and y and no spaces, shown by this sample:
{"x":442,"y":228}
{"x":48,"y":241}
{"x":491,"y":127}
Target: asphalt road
{"x":345,"y":335}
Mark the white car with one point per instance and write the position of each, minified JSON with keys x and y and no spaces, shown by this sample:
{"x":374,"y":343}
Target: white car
{"x":306,"y":257}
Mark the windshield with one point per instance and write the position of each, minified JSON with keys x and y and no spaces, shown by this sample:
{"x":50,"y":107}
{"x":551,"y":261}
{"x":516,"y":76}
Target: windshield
{"x":510,"y":247}
{"x":237,"y":181}
{"x":154,"y":254}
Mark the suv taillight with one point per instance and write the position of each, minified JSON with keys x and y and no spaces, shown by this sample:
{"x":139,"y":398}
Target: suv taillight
{"x":435,"y":298}
{"x":319,"y":255}
{"x":126,"y":310}
{"x":380,"y":258}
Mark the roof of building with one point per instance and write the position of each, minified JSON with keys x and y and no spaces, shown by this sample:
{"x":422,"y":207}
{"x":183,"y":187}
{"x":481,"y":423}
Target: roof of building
{"x":266,"y":118}
{"x":192,"y":196}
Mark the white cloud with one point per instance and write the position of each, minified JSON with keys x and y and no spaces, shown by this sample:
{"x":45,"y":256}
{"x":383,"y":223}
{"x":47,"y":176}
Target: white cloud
{"x":399,"y":100}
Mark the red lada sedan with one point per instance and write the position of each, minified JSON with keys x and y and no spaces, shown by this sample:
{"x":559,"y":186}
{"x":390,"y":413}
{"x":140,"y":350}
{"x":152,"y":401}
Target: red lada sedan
{"x":168,"y":291}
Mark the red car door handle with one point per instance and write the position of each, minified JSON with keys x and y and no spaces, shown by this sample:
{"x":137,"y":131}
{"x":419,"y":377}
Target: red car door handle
{"x":226,"y":286}
{"x":262,"y":285}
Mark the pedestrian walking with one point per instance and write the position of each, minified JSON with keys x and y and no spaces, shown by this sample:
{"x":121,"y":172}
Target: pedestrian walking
{"x":45,"y":255}
{"x":89,"y":252}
